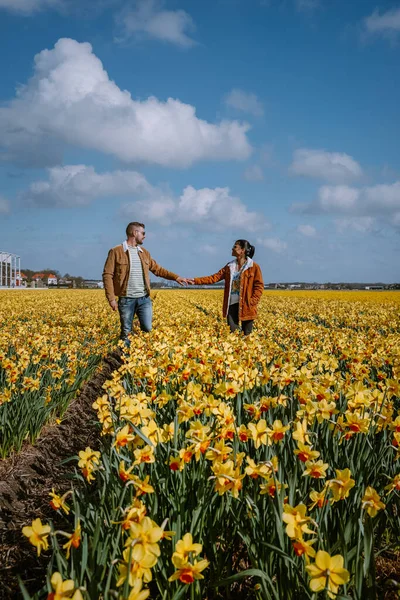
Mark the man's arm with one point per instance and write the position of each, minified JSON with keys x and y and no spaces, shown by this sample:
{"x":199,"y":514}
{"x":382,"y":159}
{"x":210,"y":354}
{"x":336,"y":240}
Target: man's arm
{"x":108,"y":277}
{"x":159,"y":271}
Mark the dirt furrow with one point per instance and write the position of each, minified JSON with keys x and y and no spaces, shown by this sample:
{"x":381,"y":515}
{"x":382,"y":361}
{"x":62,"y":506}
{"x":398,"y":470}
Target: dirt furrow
{"x":27,"y":478}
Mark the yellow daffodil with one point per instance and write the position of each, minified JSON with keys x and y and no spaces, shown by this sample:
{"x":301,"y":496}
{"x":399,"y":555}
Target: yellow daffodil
{"x":133,"y":514}
{"x":58,"y":502}
{"x":263,"y":469}
{"x":316,"y":469}
{"x":394,"y":485}
{"x":301,"y":547}
{"x":144,"y":455}
{"x":88,"y":462}
{"x":185,"y":547}
{"x":63,"y":589}
{"x":305,"y":453}
{"x":137,"y":592}
{"x":277,"y":433}
{"x":152,"y":432}
{"x":219,"y":451}
{"x":270,"y":487}
{"x":74,"y":540}
{"x":125,"y":474}
{"x":327,"y":572}
{"x":88,"y":456}
{"x":371,"y":502}
{"x":132,"y":569}
{"x":176,"y":463}
{"x":142,"y":486}
{"x":318,"y":498}
{"x":144,"y":538}
{"x":187,"y":572}
{"x":227,"y":478}
{"x":258,"y":433}
{"x":38,"y":535}
{"x":341,"y":485}
{"x":123,"y":437}
{"x":296,"y":520}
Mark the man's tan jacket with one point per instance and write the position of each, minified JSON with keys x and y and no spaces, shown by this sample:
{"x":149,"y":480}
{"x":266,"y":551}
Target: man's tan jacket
{"x":117,"y":267}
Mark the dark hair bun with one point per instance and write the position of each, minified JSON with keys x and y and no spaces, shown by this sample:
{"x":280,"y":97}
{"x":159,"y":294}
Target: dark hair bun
{"x":247,"y":247}
{"x":250,"y":251}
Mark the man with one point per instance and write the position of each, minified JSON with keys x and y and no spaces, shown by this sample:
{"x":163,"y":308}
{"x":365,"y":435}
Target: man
{"x":126,"y":276}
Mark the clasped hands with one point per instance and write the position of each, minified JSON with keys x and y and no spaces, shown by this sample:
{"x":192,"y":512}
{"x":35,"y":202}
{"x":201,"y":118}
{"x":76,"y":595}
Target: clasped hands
{"x":184,"y":281}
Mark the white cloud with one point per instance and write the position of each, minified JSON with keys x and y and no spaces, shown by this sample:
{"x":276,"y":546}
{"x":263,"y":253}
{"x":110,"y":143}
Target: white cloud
{"x":71,"y":100}
{"x":360,"y":224}
{"x":383,"y":197}
{"x":147,"y":18}
{"x":387,"y":23}
{"x":307,"y":230}
{"x":214,"y":208}
{"x":28,"y":7}
{"x":244,"y":101}
{"x":4,"y":206}
{"x":208,"y":249}
{"x":155,"y":207}
{"x":275,"y":244}
{"x":340,"y":197}
{"x":78,"y":185}
{"x":218,"y":207}
{"x":361,"y":207}
{"x":206,"y":207}
{"x":332,"y":166}
{"x":254,"y":173}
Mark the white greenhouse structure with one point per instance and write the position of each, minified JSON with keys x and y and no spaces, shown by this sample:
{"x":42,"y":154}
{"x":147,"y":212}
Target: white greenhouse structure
{"x":10,"y":270}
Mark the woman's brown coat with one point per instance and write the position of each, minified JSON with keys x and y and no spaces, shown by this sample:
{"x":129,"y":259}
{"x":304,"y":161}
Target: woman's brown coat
{"x":251,"y":288}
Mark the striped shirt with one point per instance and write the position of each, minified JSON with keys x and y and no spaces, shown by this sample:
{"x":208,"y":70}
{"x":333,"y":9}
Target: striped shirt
{"x":136,"y":285}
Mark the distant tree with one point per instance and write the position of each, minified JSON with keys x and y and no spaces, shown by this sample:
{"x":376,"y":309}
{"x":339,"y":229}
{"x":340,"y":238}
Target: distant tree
{"x":78,"y":281}
{"x":51,"y":272}
{"x":29,"y":274}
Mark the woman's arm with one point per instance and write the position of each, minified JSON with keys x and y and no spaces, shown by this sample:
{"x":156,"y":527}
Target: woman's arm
{"x":258,"y":286}
{"x":211,"y":278}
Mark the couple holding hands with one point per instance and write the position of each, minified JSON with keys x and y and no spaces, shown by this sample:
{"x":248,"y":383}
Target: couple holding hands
{"x":126,"y":277}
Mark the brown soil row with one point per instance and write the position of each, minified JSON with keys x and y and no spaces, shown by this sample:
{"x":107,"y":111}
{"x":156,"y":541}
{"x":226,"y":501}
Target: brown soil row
{"x":27,"y":478}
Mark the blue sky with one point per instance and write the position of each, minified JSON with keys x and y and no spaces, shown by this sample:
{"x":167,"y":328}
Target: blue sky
{"x":276,"y":121}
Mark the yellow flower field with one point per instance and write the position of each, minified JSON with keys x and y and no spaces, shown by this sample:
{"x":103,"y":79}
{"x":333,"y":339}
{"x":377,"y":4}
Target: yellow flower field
{"x":50,"y":342}
{"x":268,"y":465}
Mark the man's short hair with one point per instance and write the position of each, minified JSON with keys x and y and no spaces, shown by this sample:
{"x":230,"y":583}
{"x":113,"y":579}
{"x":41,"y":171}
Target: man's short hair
{"x":132,"y":226}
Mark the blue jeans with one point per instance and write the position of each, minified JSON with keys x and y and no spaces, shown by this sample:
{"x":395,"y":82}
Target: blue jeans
{"x":128,"y":308}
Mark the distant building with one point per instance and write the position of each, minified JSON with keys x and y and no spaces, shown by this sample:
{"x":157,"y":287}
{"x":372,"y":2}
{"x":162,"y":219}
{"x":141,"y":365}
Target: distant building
{"x":51,"y":279}
{"x":10,"y":269}
{"x":21,"y":280}
{"x":45,"y":279}
{"x":93,"y":283}
{"x":65,"y":283}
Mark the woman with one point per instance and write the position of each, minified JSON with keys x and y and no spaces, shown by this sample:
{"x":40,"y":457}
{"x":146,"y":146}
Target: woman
{"x":243,"y":287}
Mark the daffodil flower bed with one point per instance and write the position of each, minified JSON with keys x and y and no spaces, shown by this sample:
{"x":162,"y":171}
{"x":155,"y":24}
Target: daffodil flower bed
{"x":50,"y":342}
{"x":271,"y":459}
